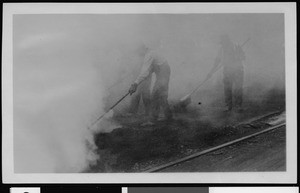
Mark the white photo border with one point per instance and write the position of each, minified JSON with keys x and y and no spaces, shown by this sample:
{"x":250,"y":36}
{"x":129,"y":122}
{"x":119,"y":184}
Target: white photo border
{"x":289,"y":10}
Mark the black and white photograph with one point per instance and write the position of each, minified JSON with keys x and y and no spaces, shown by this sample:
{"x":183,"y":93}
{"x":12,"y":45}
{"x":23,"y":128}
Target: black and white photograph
{"x":149,"y":92}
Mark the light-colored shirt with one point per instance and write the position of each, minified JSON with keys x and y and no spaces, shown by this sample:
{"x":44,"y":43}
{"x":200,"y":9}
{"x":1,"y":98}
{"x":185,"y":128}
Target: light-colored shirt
{"x":151,"y":62}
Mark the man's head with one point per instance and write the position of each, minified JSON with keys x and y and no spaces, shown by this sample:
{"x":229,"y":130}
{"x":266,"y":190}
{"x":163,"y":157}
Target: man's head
{"x":142,"y":48}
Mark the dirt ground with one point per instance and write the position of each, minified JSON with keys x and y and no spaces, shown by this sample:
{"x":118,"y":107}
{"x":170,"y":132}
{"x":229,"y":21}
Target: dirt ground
{"x":262,"y":153}
{"x":136,"y":148}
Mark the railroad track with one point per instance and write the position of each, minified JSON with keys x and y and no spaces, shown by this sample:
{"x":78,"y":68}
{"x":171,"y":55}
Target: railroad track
{"x":230,"y":143}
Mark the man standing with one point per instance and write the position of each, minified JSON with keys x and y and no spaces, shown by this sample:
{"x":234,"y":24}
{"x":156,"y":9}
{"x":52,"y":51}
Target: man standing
{"x":155,"y":63}
{"x":231,"y":56}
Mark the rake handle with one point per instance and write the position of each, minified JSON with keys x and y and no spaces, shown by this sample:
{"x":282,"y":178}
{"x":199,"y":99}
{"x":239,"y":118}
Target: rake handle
{"x":123,"y":97}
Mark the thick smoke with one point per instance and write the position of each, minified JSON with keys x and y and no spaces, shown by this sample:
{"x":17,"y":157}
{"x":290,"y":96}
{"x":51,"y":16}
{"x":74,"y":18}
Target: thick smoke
{"x":54,"y":101}
{"x":68,"y":69}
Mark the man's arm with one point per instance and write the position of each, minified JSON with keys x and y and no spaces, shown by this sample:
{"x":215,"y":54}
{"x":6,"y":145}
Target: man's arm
{"x":145,"y":72}
{"x":146,"y":69}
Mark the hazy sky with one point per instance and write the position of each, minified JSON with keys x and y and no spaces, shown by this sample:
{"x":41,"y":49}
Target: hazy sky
{"x":187,"y":40}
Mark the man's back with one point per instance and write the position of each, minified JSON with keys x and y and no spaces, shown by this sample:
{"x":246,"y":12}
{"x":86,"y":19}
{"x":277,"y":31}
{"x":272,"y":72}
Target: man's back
{"x":232,"y":58}
{"x":153,"y":63}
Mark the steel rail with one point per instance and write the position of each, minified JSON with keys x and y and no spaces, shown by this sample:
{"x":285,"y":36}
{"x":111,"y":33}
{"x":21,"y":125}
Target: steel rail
{"x":193,"y":156}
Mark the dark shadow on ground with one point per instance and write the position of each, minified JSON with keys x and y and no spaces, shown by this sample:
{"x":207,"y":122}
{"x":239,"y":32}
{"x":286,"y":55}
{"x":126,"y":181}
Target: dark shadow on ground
{"x":134,"y":148}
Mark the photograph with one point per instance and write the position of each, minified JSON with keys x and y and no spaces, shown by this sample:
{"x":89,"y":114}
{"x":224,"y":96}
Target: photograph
{"x":112,"y":96}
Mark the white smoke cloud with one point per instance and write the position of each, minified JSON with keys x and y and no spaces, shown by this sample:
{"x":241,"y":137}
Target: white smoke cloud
{"x":51,"y":125}
{"x":56,"y":95}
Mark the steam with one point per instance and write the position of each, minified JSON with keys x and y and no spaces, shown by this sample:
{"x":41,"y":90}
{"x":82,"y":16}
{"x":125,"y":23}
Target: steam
{"x":51,"y":118}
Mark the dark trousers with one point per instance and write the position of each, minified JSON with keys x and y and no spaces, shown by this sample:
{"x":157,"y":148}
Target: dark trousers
{"x":159,"y":96}
{"x":233,"y":88}
{"x":142,"y":94}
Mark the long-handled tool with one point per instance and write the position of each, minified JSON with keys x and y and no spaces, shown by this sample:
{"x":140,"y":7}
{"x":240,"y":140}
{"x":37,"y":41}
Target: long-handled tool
{"x":113,"y":106}
{"x":186,"y":100}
